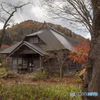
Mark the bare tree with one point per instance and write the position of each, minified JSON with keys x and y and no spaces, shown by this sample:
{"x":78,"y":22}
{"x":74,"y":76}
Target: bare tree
{"x":7,"y":11}
{"x":75,"y":11}
{"x":89,"y":16}
{"x":61,"y":60}
{"x":59,"y":57}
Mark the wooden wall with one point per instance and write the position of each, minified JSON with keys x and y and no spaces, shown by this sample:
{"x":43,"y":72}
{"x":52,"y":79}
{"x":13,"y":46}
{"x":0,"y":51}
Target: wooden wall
{"x":52,"y":66}
{"x":9,"y":64}
{"x":18,"y":62}
{"x":36,"y":62}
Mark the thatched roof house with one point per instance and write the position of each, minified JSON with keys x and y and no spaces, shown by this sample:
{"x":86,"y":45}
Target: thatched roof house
{"x":29,"y":53}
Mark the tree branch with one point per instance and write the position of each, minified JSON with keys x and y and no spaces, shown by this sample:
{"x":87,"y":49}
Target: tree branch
{"x":15,"y":8}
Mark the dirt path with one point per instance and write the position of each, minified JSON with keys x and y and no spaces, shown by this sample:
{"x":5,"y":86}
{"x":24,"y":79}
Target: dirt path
{"x":28,"y":80}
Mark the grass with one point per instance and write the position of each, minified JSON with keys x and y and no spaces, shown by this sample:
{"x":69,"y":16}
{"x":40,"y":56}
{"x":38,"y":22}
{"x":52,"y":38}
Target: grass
{"x":38,"y":92}
{"x":7,"y":74}
{"x":40,"y":75}
{"x":77,"y":81}
{"x":57,"y":79}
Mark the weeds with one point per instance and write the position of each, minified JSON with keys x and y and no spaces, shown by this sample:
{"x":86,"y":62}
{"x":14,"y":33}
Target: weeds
{"x":57,"y":79}
{"x":10,"y":74}
{"x":7,"y":74}
{"x":78,"y":79}
{"x":38,"y":92}
{"x":40,"y":74}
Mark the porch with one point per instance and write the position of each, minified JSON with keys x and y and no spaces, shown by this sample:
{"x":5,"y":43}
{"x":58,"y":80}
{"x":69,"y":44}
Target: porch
{"x":24,"y":63}
{"x":25,"y":58}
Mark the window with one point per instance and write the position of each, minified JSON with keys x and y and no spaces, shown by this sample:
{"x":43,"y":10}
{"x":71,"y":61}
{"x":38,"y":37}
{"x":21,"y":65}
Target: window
{"x":14,"y":61}
{"x":19,"y":61}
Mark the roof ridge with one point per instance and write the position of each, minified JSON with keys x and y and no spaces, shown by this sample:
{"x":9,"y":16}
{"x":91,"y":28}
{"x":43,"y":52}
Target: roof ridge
{"x":45,"y":25}
{"x":57,"y":31}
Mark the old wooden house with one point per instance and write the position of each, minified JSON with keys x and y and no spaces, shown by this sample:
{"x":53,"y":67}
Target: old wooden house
{"x":30,"y":53}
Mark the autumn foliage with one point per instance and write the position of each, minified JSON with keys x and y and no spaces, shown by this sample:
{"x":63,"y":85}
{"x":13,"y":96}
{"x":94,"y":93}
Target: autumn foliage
{"x":80,"y":53}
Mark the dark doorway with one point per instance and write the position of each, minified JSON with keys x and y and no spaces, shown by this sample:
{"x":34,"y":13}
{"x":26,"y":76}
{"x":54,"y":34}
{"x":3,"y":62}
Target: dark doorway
{"x":30,"y":63}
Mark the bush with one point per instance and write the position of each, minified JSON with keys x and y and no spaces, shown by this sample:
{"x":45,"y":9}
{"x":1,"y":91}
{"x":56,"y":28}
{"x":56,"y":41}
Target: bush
{"x":38,"y":92}
{"x":3,"y":65}
{"x":77,"y":81}
{"x":3,"y":62}
{"x":52,"y":80}
{"x":77,"y":77}
{"x":41,"y":74}
{"x":9,"y":74}
{"x":5,"y":74}
{"x":34,"y":79}
{"x":2,"y":71}
{"x":56,"y":79}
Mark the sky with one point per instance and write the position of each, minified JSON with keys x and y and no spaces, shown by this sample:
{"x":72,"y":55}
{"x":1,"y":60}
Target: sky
{"x":35,"y":13}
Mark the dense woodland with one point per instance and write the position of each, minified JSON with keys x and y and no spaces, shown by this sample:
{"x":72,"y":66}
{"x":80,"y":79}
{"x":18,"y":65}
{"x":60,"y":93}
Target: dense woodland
{"x":17,"y":32}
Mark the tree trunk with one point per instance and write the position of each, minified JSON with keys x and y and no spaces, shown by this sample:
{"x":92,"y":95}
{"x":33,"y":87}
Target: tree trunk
{"x":60,"y":72}
{"x":92,"y":81}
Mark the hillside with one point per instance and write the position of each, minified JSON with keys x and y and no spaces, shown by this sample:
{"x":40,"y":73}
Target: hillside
{"x":17,"y":32}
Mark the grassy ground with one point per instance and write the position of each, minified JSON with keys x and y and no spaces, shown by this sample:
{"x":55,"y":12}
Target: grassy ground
{"x":42,"y":87}
{"x":37,"y":92}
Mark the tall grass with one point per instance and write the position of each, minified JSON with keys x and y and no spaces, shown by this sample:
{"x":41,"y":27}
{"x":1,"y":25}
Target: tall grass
{"x":40,"y":74}
{"x":38,"y":92}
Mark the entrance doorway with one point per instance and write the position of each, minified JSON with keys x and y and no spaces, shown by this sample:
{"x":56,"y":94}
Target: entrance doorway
{"x":30,"y":63}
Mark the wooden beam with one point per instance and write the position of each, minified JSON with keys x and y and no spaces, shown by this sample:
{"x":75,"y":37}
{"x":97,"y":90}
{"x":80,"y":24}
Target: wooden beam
{"x":22,"y":61}
{"x":49,"y":64}
{"x":24,"y":43}
{"x":12,"y":63}
{"x":40,"y":62}
{"x":17,"y":62}
{"x":33,"y":49}
{"x":15,"y":50}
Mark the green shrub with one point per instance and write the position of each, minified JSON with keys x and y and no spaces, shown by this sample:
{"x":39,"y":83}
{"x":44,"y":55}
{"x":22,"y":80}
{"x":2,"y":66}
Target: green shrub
{"x":56,"y":79}
{"x":9,"y":74}
{"x":41,"y":74}
{"x":77,"y":77}
{"x":38,"y":92}
{"x":3,"y":65}
{"x":2,"y":71}
{"x":52,"y":80}
{"x":34,"y":79}
{"x":77,"y":81}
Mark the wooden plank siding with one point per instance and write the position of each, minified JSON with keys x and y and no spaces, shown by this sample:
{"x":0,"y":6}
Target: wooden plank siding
{"x":9,"y":64}
{"x":36,"y":62}
{"x":18,"y":62}
{"x":14,"y":64}
{"x":53,"y":67}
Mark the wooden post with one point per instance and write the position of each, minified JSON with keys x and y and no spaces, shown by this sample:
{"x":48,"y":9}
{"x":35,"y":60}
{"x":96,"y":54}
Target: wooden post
{"x":49,"y":65}
{"x":12,"y":63}
{"x":22,"y":61}
{"x":17,"y":62}
{"x":40,"y":62}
